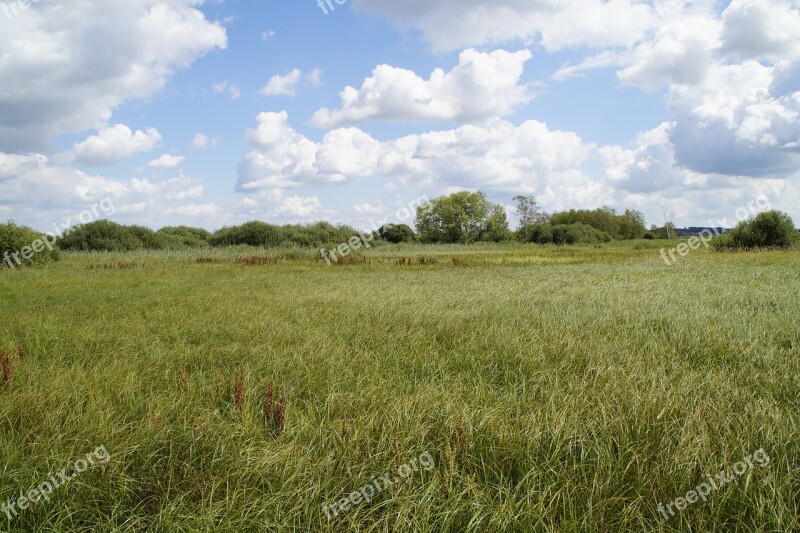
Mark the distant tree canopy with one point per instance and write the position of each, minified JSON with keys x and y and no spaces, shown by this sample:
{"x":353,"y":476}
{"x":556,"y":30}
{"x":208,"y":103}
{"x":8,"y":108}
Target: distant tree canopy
{"x":771,"y":229}
{"x":462,"y":217}
{"x":630,"y":225}
{"x":397,"y":233}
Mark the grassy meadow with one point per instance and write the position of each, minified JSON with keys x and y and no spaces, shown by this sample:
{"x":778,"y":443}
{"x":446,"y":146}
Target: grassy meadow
{"x":556,"y":388}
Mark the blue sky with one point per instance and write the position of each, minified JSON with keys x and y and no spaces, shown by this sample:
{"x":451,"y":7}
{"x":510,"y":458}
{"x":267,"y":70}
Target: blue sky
{"x":211,"y":114}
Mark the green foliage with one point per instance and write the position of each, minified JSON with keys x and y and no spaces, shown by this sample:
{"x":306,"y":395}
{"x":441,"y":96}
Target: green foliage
{"x":15,"y":239}
{"x":397,"y":233}
{"x":183,"y":237}
{"x":106,"y":236}
{"x":530,"y":214}
{"x":566,"y":234}
{"x":268,"y":235}
{"x":771,"y":229}
{"x":629,"y":225}
{"x":462,"y":217}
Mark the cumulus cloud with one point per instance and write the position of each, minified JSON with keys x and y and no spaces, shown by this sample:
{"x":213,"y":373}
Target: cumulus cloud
{"x":113,"y":144}
{"x":283,"y":85}
{"x":166,"y":161}
{"x":482,"y":85}
{"x":681,"y":52}
{"x":497,"y":154}
{"x":39,"y":189}
{"x":453,"y":24}
{"x":300,"y":207}
{"x":758,"y":29}
{"x":78,"y":64}
{"x":737,"y":122}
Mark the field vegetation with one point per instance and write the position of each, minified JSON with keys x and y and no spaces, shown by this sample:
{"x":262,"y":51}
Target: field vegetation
{"x":556,"y":388}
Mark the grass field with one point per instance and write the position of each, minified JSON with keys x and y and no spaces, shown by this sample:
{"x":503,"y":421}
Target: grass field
{"x":556,"y":389}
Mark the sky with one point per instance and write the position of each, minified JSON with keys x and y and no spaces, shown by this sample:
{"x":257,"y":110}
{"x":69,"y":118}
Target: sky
{"x":184,"y":112}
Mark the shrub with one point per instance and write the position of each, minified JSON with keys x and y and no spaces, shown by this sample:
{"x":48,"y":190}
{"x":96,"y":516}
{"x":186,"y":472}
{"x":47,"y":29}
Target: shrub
{"x":251,"y":233}
{"x":771,"y":229}
{"x":15,"y":239}
{"x":182,"y":237}
{"x":103,"y":236}
{"x":397,"y":233}
{"x":567,"y":234}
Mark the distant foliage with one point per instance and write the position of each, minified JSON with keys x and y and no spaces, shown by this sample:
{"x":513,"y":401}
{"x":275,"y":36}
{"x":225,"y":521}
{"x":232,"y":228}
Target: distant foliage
{"x":397,"y":233}
{"x":566,"y":234}
{"x":270,"y":236}
{"x":462,"y":217}
{"x":184,"y":237}
{"x":630,"y":225}
{"x":106,"y":236}
{"x":771,"y":229}
{"x":13,"y":238}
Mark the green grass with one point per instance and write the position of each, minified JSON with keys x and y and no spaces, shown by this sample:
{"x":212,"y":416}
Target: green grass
{"x":558,"y":389}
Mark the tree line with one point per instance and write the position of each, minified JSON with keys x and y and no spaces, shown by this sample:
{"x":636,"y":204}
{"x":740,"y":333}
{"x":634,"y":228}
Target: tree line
{"x":459,"y":218}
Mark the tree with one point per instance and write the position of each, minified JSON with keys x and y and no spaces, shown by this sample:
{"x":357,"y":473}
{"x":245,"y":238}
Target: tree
{"x":462,"y":217}
{"x":396,"y":233}
{"x":530,"y":215}
{"x":771,"y":229}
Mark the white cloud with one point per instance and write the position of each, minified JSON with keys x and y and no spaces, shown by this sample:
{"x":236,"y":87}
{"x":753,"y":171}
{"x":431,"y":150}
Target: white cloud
{"x":481,"y":86}
{"x":202,"y":141}
{"x":113,"y":144}
{"x":283,"y":85}
{"x":166,"y":161}
{"x":267,"y":35}
{"x":496,"y":154}
{"x":315,"y":77}
{"x":298,"y":206}
{"x":194,"y":211}
{"x":681,"y":52}
{"x":738,"y":122}
{"x":231,"y":88}
{"x":454,"y":24}
{"x":759,"y":29}
{"x":79,"y":64}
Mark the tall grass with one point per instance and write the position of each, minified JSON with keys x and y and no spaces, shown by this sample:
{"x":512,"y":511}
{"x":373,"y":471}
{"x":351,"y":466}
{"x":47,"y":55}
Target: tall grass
{"x":558,"y":389}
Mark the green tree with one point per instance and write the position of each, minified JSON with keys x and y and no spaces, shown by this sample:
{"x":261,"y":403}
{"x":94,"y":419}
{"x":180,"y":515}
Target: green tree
{"x":530,"y":215}
{"x":462,"y":217}
{"x":771,"y":229}
{"x":397,"y":233}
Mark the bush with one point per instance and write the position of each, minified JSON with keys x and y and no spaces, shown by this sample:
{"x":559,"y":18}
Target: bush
{"x":105,"y":236}
{"x":15,"y":239}
{"x":183,"y":237}
{"x":397,"y":233}
{"x":270,"y":236}
{"x":567,"y":234}
{"x":771,"y":229}
{"x":251,"y":233}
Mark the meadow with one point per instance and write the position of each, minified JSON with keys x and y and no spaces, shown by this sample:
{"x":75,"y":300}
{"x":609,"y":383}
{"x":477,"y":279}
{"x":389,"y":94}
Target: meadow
{"x":556,"y":389}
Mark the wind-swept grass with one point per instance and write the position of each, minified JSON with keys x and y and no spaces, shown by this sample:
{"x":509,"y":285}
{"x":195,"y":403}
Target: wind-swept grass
{"x":558,"y":389}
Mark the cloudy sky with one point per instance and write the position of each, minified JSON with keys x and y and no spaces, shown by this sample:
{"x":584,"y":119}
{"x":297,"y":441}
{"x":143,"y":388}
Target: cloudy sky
{"x":217,"y":112}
